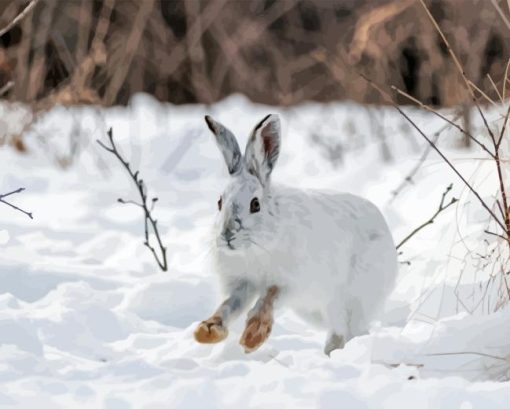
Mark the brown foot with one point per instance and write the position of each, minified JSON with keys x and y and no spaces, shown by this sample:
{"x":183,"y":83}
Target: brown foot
{"x":256,"y":332}
{"x":211,"y":331}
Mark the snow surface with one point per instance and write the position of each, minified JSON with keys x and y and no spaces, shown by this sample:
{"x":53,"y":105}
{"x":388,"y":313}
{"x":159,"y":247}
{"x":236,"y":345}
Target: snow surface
{"x":87,"y":320}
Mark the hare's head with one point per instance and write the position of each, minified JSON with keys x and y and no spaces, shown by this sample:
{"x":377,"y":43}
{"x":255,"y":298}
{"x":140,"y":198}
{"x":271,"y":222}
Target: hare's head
{"x":246,"y":207}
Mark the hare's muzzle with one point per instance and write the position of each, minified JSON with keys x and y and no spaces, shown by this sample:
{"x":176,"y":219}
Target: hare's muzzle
{"x":229,"y":231}
{"x":228,"y":236}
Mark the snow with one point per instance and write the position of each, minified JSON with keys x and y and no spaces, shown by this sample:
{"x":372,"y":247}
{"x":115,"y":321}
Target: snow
{"x":88,"y":320}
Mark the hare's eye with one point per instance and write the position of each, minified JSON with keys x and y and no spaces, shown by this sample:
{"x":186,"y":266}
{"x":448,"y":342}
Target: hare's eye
{"x":220,"y":202}
{"x":254,"y":205}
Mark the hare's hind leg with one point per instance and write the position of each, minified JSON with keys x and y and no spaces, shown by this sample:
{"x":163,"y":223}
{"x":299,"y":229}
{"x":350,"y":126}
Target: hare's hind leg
{"x":338,"y":320}
{"x":260,"y":321}
{"x":333,"y":341}
{"x":215,"y":329}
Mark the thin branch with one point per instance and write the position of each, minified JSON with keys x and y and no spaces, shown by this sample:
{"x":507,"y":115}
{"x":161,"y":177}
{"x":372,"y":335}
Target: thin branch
{"x":6,"y":88}
{"x":498,"y":143}
{"x":2,"y":200}
{"x":495,"y":234}
{"x":480,"y":91}
{"x":500,"y":208}
{"x":421,"y":161}
{"x":19,"y":17}
{"x":500,"y":12}
{"x":120,"y":200}
{"x":503,"y":194}
{"x":388,"y":98}
{"x":440,"y":209}
{"x":142,"y":190}
{"x":503,"y":91}
{"x":459,"y":67}
{"x":132,"y":43}
{"x":495,"y":88}
{"x":502,"y":188}
{"x":500,"y":358}
{"x":444,"y":118}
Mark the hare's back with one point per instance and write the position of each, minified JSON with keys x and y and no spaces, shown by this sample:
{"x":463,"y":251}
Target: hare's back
{"x":341,"y":244}
{"x":346,"y":226}
{"x":331,"y":212}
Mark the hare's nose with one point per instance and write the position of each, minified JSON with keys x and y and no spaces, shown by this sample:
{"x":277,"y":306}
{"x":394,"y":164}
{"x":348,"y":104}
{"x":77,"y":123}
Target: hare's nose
{"x":228,"y":234}
{"x":230,"y":229}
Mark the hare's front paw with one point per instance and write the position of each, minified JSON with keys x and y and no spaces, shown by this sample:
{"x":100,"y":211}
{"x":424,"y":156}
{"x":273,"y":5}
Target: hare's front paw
{"x":256,"y":332}
{"x":211,"y":331}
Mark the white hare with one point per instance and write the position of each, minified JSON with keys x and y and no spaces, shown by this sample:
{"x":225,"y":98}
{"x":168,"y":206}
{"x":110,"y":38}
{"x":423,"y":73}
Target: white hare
{"x":328,"y":256}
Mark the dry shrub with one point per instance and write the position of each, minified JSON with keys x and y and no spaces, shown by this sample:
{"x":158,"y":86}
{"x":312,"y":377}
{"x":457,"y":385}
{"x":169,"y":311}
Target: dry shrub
{"x":491,"y":253}
{"x":276,"y":52}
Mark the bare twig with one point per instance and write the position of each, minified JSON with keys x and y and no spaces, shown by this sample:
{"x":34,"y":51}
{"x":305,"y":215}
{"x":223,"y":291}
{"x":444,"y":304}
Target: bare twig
{"x":501,"y":134}
{"x":37,"y":70}
{"x":503,"y":90}
{"x":497,"y":160}
{"x":444,"y":118}
{"x":103,"y":23}
{"x":390,"y":100}
{"x":142,"y":190}
{"x":499,"y":358}
{"x":409,"y":177}
{"x":500,"y":12}
{"x":22,"y":51}
{"x":85,"y":18}
{"x":132,"y":44}
{"x":442,"y":207}
{"x":6,"y":88}
{"x":2,"y":200}
{"x":496,"y":141}
{"x":469,"y":84}
{"x":19,"y":17}
{"x":495,"y":234}
{"x":480,"y":91}
{"x":500,"y":208}
{"x":178,"y":53}
{"x":495,"y":88}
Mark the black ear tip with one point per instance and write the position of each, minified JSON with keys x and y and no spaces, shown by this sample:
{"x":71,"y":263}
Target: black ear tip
{"x":210,"y":123}
{"x":262,"y":122}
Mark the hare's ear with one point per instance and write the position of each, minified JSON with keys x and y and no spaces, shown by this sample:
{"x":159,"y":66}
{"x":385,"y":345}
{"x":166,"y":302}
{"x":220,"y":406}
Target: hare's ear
{"x":263,"y":147}
{"x":227,"y":143}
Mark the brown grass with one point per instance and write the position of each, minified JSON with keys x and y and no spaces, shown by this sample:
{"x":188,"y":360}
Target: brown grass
{"x":282,"y":52}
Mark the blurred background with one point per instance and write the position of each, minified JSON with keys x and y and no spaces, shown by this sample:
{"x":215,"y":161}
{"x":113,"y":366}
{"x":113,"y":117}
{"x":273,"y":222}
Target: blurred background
{"x":280,"y":52}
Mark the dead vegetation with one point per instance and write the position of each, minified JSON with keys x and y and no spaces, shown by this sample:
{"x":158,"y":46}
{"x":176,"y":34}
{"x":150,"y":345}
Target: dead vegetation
{"x":151,"y":231}
{"x":8,"y":203}
{"x":493,"y":141}
{"x":276,"y":52}
{"x":441,"y":208}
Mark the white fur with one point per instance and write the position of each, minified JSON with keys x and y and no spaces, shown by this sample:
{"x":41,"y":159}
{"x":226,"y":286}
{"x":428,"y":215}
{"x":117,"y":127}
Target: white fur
{"x":331,"y":254}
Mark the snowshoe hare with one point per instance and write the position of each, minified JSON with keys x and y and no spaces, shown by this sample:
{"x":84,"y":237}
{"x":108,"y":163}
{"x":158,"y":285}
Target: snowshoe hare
{"x":328,"y":256}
